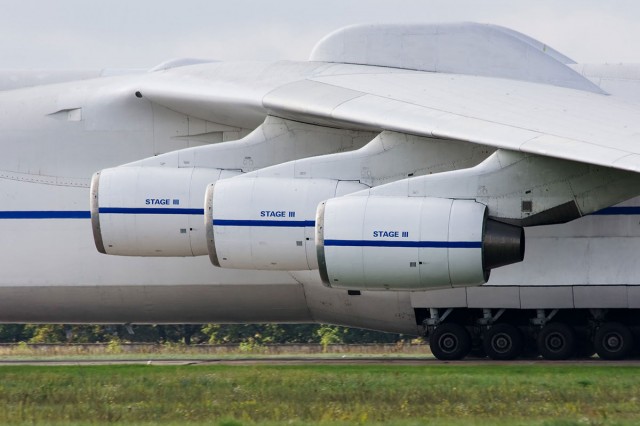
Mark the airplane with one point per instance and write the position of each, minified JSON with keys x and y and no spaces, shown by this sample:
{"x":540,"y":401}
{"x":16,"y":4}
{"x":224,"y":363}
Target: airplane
{"x":390,"y":182}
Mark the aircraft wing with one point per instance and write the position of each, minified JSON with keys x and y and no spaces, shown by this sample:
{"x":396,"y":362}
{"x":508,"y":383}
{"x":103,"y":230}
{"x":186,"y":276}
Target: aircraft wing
{"x":470,"y":82}
{"x":517,"y":115}
{"x":520,"y":116}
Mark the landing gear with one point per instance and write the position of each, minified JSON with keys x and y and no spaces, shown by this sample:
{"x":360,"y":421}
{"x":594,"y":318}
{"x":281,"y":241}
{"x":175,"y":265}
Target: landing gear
{"x":556,"y":341}
{"x":613,"y":341}
{"x":503,"y":342}
{"x":584,"y":343}
{"x":585,"y":348}
{"x":450,"y":341}
{"x":554,"y":334}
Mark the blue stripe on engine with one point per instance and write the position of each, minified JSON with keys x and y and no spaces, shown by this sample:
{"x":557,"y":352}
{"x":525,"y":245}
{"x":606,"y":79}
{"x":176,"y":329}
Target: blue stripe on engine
{"x":147,"y":210}
{"x":266,"y":223}
{"x":421,"y":244}
{"x":69,"y":214}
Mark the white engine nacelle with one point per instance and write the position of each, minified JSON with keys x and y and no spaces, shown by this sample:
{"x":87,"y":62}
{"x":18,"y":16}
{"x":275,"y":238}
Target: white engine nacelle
{"x":405,"y":243}
{"x":151,"y":211}
{"x":267,"y":223}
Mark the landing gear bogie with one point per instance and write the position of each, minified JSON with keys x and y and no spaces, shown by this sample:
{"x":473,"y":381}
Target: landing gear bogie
{"x":554,"y":334}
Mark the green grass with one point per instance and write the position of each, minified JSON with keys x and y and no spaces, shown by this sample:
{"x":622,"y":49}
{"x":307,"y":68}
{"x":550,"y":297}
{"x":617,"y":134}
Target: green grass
{"x":327,"y":395}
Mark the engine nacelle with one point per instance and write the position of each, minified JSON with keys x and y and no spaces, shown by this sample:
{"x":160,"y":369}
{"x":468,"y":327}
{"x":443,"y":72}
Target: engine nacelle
{"x":406,"y":243}
{"x":151,"y":211}
{"x":267,"y":223}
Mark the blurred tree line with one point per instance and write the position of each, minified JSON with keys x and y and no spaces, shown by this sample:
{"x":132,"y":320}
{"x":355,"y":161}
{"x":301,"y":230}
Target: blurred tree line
{"x":258,"y":334}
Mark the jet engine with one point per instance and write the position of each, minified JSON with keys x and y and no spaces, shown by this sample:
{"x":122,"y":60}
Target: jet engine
{"x":267,"y":223}
{"x":411,"y":243}
{"x":151,"y":211}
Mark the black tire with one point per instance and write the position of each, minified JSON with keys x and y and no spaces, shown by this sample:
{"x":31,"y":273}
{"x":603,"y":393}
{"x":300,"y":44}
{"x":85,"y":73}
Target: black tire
{"x":450,"y":341}
{"x":503,"y":342}
{"x":556,"y":341}
{"x":613,"y":341}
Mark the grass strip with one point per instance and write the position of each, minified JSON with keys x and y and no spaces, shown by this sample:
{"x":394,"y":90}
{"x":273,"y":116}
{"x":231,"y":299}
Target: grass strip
{"x":324,"y":395}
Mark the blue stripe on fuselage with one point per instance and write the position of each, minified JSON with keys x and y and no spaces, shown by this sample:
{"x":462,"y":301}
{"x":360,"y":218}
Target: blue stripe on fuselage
{"x":80,"y":214}
{"x":61,"y":214}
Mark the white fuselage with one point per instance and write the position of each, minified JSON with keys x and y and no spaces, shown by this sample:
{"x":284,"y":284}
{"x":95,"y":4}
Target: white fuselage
{"x":54,"y":137}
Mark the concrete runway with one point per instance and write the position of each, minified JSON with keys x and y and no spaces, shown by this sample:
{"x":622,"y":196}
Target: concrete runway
{"x":402,"y":361}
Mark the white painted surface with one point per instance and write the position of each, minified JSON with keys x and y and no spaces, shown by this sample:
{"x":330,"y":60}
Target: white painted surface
{"x":452,"y":48}
{"x":260,"y":222}
{"x":538,"y":119}
{"x":53,"y":138}
{"x":141,"y":210}
{"x":402,"y":243}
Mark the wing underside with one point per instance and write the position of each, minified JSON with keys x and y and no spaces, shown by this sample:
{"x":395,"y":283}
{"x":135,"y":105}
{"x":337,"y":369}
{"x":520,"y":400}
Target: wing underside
{"x":532,"y":118}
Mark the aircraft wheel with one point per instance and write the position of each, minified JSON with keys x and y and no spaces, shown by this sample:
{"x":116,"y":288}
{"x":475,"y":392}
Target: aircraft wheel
{"x":450,"y":341}
{"x":613,"y":341}
{"x":556,"y":341}
{"x":503,"y":342}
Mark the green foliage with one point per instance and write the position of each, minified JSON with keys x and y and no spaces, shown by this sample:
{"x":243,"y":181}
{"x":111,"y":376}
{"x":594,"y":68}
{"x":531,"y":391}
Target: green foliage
{"x":293,"y":333}
{"x":330,"y":335}
{"x":48,"y":333}
{"x":248,"y":334}
{"x":251,"y":345}
{"x":13,"y":333}
{"x":114,"y":347}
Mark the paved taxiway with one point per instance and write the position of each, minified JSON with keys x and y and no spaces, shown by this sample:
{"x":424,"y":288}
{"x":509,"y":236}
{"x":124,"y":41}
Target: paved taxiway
{"x":316,"y":361}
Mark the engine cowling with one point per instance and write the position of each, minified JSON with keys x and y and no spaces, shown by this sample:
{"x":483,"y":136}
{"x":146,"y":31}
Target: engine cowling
{"x":267,"y":223}
{"x":406,"y":243}
{"x":151,"y":211}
